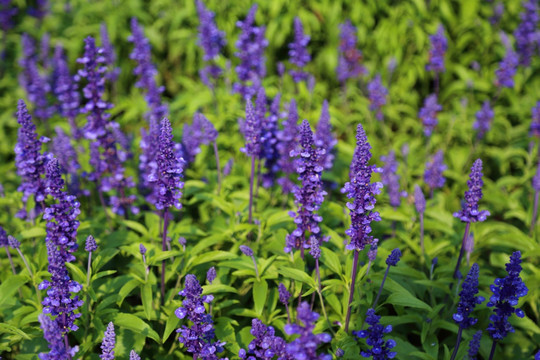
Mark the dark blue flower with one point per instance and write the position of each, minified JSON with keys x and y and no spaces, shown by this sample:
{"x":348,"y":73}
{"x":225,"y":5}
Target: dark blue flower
{"x":380,"y":349}
{"x":526,"y":33}
{"x":470,"y":212}
{"x":53,"y":335}
{"x":468,"y":299}
{"x":266,"y":345}
{"x":439,"y":45}
{"x":474,"y":345}
{"x":269,"y":143}
{"x":393,"y":258}
{"x":109,"y":54}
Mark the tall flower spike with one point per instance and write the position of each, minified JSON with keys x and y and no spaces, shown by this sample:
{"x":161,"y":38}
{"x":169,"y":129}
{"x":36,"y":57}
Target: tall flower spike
{"x":198,"y":339}
{"x":439,"y":45}
{"x":109,"y":54}
{"x":251,"y":45}
{"x":29,"y":160}
{"x":433,"y":176}
{"x":324,"y":139}
{"x":391,"y":260}
{"x":470,"y":212}
{"x":419,"y":199}
{"x":7,"y":12}
{"x":298,"y":54}
{"x":134,"y":356}
{"x":526,"y":34}
{"x":211,"y":39}
{"x":109,"y":341}
{"x":90,"y":244}
{"x":168,"y":174}
{"x":535,"y":123}
{"x":252,"y":131}
{"x":269,"y":143}
{"x":507,"y":67}
{"x":474,"y":345}
{"x":506,"y":294}
{"x":377,"y":96}
{"x":374,"y":335}
{"x":288,"y":138}
{"x":350,"y":58}
{"x":266,"y":344}
{"x":484,"y":118}
{"x":305,"y":346}
{"x":53,"y":335}
{"x":390,"y":179}
{"x":468,"y":299}
{"x":428,"y":114}
{"x":309,"y":196}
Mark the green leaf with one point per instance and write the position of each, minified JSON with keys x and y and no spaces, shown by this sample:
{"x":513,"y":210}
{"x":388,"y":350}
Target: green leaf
{"x":260,"y":291}
{"x":218,"y":288}
{"x":126,"y":290}
{"x":10,"y":286}
{"x":405,"y":298}
{"x":172,"y":324}
{"x":133,"y":323}
{"x":10,"y":329}
{"x":164,"y":255}
{"x":33,"y":233}
{"x":78,"y":274}
{"x":330,"y":259}
{"x":146,"y":296}
{"x":295,"y":274}
{"x":138,"y":227}
{"x":210,"y":256}
{"x":102,"y":274}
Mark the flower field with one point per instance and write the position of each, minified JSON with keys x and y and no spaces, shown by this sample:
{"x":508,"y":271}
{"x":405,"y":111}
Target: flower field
{"x":281,"y":180}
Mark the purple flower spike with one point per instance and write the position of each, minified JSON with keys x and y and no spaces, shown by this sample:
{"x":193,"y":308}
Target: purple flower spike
{"x":506,"y":294}
{"x":29,"y":160}
{"x":211,"y":275}
{"x":198,"y":339}
{"x":507,"y":68}
{"x":350,"y":58}
{"x":65,"y":153}
{"x":433,"y":176}
{"x":246,"y":250}
{"x":390,"y":179}
{"x":53,"y":334}
{"x":266,"y":344}
{"x":269,"y":142}
{"x":419,"y":199}
{"x":134,"y":356}
{"x":284,"y":295}
{"x":474,"y":345}
{"x":468,"y":299}
{"x":439,"y":45}
{"x":288,"y":138}
{"x":535,"y":123}
{"x":251,"y":45}
{"x":324,"y":139}
{"x":90,"y":244}
{"x":305,"y":346}
{"x":298,"y":53}
{"x":377,"y":96}
{"x":428,"y":114}
{"x":142,"y":249}
{"x":6,"y":14}
{"x":66,"y":90}
{"x":374,"y":335}
{"x":362,"y":193}
{"x":309,"y":196}
{"x":393,"y":258}
{"x":109,"y":341}
{"x":252,"y":131}
{"x":168,"y":173}
{"x":13,"y":242}
{"x":526,"y":34}
{"x":109,"y":54}
{"x":211,"y":39}
{"x":536,"y":179}
{"x":470,"y":212}
{"x":484,"y":118}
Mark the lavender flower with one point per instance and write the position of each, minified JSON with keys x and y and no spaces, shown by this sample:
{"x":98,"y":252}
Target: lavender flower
{"x":474,"y":345}
{"x":90,"y":244}
{"x":246,"y":250}
{"x":211,"y":39}
{"x":109,"y":54}
{"x":506,"y":293}
{"x":288,"y":138}
{"x":498,"y":12}
{"x":309,"y":196}
{"x":393,"y":258}
{"x":350,"y":58}
{"x":202,"y":131}
{"x":284,"y":295}
{"x":433,"y":176}
{"x":66,"y":90}
{"x":298,"y":54}
{"x":419,"y":199}
{"x":168,"y":174}
{"x":3,"y":237}
{"x":362,"y":193}
{"x":134,"y":356}
{"x":65,"y":153}
{"x":324,"y":139}
{"x":507,"y":69}
{"x":269,"y":143}
{"x":199,"y":337}
{"x":109,"y":341}
{"x":468,"y":299}
{"x":484,"y":117}
{"x":29,"y":160}
{"x":266,"y":344}
{"x":470,"y":212}
{"x":61,"y":243}
{"x":374,"y":335}
{"x":428,"y":114}
{"x":305,"y":346}
{"x":250,"y":45}
{"x":377,"y":96}
{"x":142,"y":249}
{"x":211,"y":275}
{"x":252,"y":132}
{"x":390,"y":179}
{"x":13,"y":242}
{"x":6,"y":14}
{"x":439,"y":45}
{"x":53,"y":335}
{"x":525,"y":34}
{"x":535,"y":123}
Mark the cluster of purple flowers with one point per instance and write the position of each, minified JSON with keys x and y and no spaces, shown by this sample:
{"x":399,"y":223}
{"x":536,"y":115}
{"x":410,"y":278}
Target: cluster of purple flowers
{"x":211,"y":40}
{"x":324,"y":139}
{"x":250,"y":45}
{"x":507,"y":67}
{"x":506,"y":294}
{"x":362,"y":192}
{"x":470,"y":212}
{"x":439,"y":45}
{"x":298,"y":54}
{"x":526,"y":33}
{"x":349,"y":61}
{"x":266,"y":345}
{"x":377,"y":96}
{"x":30,"y":161}
{"x":288,"y":139}
{"x":433,"y":176}
{"x":269,"y":142}
{"x":54,"y":337}
{"x":535,"y":123}
{"x":108,"y":343}
{"x":109,"y":54}
{"x":484,"y":117}
{"x":7,"y":12}
{"x":199,"y":337}
{"x":61,"y":240}
{"x":468,"y":299}
{"x":380,"y":349}
{"x":252,"y":131}
{"x":201,"y":131}
{"x":390,"y":179}
{"x":309,"y":196}
{"x":428,"y":114}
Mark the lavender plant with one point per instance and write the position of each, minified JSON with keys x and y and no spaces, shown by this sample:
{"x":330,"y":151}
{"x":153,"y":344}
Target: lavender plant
{"x":298,"y":53}
{"x":377,"y":96}
{"x":325,"y":139}
{"x":350,"y":57}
